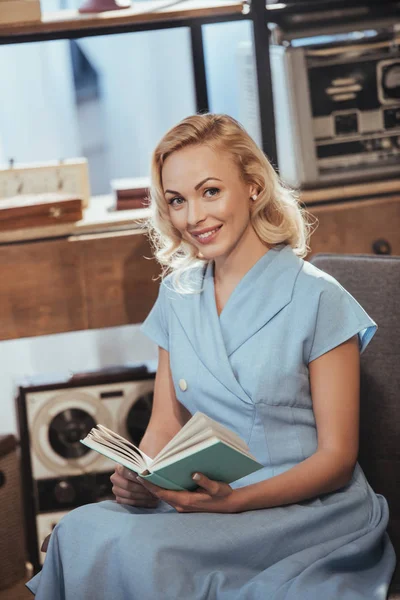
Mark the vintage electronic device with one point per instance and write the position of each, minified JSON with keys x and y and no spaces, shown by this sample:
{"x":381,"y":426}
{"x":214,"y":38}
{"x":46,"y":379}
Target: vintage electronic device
{"x":337,"y":106}
{"x":58,"y":472}
{"x":70,"y":176}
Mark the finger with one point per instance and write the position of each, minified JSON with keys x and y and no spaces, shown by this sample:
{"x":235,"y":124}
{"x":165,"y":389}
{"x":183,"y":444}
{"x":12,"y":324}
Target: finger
{"x":210,"y":486}
{"x":143,"y":494}
{"x":170,"y":496}
{"x":131,"y":487}
{"x":154,"y":489}
{"x":119,"y":483}
{"x":176,"y":499}
{"x":125,"y":473}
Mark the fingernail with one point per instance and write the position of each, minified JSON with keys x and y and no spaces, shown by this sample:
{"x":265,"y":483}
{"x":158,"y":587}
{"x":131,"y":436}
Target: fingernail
{"x":196,"y":477}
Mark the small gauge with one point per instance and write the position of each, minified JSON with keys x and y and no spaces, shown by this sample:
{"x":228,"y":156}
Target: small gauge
{"x":389,"y":81}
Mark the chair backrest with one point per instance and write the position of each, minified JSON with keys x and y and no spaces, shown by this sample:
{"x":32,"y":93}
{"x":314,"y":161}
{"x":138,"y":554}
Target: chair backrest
{"x":375,"y":284}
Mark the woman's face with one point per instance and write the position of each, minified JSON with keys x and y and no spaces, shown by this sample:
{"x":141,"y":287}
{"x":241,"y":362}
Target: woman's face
{"x":208,"y":202}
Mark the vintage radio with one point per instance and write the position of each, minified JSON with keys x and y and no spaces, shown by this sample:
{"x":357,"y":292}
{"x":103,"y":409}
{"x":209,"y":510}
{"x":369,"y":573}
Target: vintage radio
{"x":337,"y":106}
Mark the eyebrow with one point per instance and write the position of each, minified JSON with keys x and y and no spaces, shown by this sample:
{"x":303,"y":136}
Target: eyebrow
{"x":196,"y":187}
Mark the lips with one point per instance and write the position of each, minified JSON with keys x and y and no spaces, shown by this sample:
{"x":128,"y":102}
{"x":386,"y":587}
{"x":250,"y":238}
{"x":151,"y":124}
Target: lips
{"x":203,"y":231}
{"x":208,"y":236}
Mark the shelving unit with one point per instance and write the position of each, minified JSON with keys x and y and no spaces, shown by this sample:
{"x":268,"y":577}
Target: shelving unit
{"x":150,"y":16}
{"x":94,"y":274}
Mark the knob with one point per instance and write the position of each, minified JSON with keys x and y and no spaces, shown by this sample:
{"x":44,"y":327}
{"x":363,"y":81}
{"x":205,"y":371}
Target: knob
{"x":64,"y":492}
{"x":381,"y":247}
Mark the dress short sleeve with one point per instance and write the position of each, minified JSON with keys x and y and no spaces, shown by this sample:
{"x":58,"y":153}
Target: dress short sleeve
{"x":155,"y":325}
{"x":339,"y":317}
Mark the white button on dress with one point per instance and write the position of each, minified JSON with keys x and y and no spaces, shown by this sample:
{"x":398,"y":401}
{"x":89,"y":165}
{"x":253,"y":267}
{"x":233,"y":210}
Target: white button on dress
{"x":183,"y":385}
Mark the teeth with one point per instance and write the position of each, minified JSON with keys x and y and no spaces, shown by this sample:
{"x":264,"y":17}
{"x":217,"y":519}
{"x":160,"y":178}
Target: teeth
{"x":206,"y":235}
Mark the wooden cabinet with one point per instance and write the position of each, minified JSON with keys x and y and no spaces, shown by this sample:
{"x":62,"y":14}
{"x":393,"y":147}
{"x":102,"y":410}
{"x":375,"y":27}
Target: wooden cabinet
{"x":79,"y":282}
{"x":363,"y":219}
{"x":41,"y":289}
{"x":120,"y":274}
{"x":359,"y":227}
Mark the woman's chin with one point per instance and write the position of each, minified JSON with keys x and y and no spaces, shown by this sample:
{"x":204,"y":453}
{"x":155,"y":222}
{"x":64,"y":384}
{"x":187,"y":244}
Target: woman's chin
{"x":210,"y":252}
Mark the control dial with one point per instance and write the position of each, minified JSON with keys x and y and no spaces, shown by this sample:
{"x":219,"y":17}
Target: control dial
{"x":64,"y":492}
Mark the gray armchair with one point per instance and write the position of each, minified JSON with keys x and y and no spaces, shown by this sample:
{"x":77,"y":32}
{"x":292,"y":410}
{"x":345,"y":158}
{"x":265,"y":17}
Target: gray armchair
{"x":375,"y":282}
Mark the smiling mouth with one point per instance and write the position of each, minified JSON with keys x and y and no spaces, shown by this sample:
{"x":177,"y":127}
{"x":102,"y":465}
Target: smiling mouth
{"x":205,"y":236}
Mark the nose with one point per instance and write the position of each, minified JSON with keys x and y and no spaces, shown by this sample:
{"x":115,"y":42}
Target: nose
{"x":195,"y":213}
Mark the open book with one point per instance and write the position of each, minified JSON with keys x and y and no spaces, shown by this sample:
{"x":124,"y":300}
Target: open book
{"x":202,"y":445}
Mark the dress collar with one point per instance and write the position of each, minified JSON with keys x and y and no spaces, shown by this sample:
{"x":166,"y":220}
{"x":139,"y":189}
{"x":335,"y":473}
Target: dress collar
{"x":262,"y":292}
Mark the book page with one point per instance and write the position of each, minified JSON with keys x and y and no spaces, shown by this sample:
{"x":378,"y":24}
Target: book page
{"x":198,"y":429}
{"x":120,"y":450}
{"x":171,"y":449}
{"x":120,"y":439}
{"x":112,"y":454}
{"x":226,"y":434}
{"x":103,"y":434}
{"x":171,"y":458}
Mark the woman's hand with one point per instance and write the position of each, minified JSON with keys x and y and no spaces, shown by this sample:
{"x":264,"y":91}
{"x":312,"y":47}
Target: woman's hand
{"x":212,"y":496}
{"x":128,"y":491}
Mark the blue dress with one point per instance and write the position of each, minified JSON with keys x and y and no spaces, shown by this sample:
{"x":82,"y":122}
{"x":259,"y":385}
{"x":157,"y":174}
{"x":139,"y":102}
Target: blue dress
{"x":248,"y":369}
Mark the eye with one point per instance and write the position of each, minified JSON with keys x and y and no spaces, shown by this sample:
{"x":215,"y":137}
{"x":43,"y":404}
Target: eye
{"x":173,"y":202}
{"x":212,"y":192}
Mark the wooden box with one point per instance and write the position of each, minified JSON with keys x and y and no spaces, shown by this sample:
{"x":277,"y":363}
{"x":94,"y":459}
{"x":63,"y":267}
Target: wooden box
{"x":19,"y":11}
{"x":22,"y":212}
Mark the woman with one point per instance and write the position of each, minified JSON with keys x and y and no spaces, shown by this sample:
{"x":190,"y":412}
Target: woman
{"x":269,"y":346}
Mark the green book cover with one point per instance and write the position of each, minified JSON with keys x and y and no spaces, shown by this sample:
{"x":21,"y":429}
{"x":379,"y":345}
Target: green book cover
{"x":218,"y":461}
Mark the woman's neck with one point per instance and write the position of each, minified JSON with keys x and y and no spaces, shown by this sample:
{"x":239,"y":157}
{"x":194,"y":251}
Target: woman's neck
{"x":229,"y":270}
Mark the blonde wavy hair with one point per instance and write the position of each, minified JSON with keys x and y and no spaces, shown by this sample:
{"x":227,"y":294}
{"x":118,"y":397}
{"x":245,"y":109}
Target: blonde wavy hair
{"x":277,"y":216}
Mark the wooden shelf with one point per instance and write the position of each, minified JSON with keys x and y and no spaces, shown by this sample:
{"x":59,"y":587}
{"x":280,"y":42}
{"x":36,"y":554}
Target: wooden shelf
{"x":97,"y":218}
{"x":338,"y":193}
{"x":363,"y":226}
{"x":100,"y":272}
{"x":140,"y":14}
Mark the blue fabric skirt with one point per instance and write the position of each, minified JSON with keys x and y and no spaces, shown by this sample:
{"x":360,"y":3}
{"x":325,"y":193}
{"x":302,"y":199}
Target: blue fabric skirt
{"x":333,"y":548}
